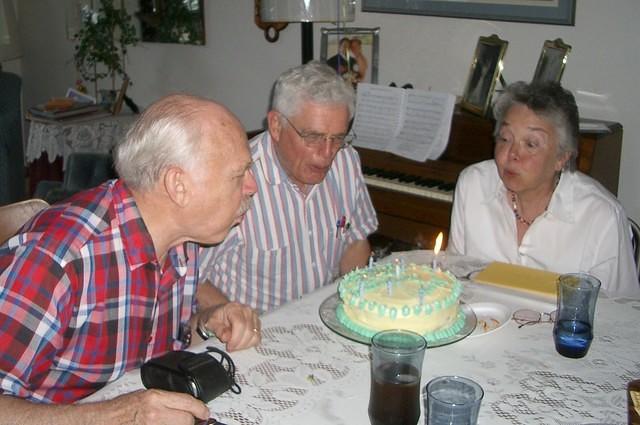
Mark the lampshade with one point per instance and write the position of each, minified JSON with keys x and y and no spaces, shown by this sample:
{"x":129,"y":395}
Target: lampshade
{"x":308,"y":10}
{"x":9,"y":43}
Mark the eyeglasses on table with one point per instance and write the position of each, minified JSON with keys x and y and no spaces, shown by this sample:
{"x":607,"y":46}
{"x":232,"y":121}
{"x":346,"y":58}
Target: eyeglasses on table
{"x":526,"y":317}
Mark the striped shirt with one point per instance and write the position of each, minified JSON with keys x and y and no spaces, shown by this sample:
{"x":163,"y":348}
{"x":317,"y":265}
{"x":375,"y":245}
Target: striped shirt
{"x":290,"y":244}
{"x":83,"y":298}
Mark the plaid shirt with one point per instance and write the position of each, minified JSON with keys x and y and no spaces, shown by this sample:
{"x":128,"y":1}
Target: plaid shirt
{"x":83,"y":297}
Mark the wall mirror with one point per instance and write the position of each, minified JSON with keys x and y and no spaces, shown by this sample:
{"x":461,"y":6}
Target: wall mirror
{"x":172,"y":21}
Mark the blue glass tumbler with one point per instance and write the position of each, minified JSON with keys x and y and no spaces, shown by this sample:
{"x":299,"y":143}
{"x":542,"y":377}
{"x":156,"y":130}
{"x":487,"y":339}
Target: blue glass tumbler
{"x":573,"y":329}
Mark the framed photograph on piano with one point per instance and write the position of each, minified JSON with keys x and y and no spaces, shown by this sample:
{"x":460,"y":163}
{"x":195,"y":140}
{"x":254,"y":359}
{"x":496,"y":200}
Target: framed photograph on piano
{"x":352,"y":52}
{"x":485,"y":71}
{"x":552,"y":61}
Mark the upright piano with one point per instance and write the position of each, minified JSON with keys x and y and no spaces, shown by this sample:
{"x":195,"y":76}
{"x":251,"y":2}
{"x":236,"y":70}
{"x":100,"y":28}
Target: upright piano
{"x":413,"y":199}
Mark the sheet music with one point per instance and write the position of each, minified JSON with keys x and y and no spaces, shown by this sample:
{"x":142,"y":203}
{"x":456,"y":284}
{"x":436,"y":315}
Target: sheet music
{"x":378,"y":114}
{"x":445,"y":126}
{"x":410,"y":123}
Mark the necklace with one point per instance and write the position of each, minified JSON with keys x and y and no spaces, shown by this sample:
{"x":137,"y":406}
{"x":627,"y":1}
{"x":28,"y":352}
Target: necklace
{"x":516,"y":213}
{"x":514,"y":203}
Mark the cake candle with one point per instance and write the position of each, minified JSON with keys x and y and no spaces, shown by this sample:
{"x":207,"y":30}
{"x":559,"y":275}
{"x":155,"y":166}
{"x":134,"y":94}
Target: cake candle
{"x":371,"y":261}
{"x":389,"y":288}
{"x":397,"y":268}
{"x":436,"y":250}
{"x":361,"y":289}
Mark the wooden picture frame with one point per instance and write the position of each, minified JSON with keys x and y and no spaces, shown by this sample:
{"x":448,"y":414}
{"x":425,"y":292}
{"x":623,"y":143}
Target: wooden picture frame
{"x":485,"y":71}
{"x":348,"y":64}
{"x":172,"y":21}
{"x":557,"y":12}
{"x":552,"y":61}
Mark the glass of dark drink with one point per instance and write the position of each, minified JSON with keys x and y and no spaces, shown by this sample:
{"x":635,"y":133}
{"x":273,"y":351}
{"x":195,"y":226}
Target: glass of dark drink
{"x":573,"y":329}
{"x":396,"y":367}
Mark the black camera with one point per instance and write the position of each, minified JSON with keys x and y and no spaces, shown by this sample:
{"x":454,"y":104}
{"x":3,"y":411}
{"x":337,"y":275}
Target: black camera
{"x":202,"y":375}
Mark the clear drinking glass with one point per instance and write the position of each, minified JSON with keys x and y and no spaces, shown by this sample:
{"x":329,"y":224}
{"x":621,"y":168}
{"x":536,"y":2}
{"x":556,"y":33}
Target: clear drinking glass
{"x":452,"y":400}
{"x":396,"y":367}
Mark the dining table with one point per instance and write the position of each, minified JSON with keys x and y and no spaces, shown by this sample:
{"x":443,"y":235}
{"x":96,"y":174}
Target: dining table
{"x":305,"y":372}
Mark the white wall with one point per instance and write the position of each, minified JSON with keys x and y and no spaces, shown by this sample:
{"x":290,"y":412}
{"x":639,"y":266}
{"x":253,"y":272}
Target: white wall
{"x":237,"y":66}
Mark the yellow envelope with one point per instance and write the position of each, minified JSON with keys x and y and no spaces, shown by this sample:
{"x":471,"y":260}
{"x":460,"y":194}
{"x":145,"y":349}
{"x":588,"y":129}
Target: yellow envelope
{"x":534,"y":281}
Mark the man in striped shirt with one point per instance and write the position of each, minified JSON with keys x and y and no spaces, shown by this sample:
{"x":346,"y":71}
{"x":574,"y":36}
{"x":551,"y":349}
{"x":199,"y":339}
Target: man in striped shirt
{"x":311,"y":217}
{"x":93,"y":287}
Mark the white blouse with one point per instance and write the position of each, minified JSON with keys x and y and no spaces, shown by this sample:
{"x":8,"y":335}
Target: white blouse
{"x":584,"y":229}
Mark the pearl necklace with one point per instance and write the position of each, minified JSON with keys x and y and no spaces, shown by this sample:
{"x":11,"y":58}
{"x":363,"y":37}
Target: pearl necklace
{"x":516,"y":213}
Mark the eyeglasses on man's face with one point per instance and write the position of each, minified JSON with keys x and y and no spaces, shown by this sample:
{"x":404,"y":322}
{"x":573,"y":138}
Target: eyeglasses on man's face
{"x":316,"y":140}
{"x":526,"y":317}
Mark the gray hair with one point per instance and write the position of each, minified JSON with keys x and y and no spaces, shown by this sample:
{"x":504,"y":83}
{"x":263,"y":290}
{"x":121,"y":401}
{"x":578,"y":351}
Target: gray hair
{"x":549,"y":101}
{"x":313,"y":82}
{"x":167,"y":133}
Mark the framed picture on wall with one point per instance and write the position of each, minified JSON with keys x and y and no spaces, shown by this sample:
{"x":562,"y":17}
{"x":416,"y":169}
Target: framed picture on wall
{"x":352,"y":52}
{"x":552,"y":61}
{"x":486,"y":67}
{"x":553,"y":12}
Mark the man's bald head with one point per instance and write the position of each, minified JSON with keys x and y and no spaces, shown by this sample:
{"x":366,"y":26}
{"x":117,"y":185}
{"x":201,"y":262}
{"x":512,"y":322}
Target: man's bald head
{"x":170,"y":133}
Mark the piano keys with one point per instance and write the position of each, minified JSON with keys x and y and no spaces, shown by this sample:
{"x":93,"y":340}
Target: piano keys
{"x":413,"y":185}
{"x":413,"y":199}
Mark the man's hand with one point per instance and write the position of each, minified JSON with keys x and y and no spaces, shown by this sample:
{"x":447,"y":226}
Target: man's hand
{"x":146,"y":407}
{"x":160,"y":407}
{"x":237,"y":325}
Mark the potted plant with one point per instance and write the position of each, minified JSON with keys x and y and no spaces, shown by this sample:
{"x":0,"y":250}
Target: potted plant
{"x":102,"y":42}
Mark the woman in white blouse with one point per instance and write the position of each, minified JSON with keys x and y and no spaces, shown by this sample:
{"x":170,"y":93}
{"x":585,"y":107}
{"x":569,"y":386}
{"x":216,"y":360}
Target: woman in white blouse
{"x":529,"y":205}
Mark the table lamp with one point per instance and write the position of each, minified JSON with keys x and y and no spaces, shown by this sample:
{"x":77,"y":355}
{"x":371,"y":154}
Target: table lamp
{"x":9,"y":43}
{"x":307,"y":12}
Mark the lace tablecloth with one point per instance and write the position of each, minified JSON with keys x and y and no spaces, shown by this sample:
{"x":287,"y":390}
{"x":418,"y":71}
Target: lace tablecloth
{"x":305,"y":373}
{"x":61,"y":139}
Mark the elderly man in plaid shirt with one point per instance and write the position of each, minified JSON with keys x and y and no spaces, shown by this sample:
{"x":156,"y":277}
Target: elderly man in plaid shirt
{"x":93,"y":287}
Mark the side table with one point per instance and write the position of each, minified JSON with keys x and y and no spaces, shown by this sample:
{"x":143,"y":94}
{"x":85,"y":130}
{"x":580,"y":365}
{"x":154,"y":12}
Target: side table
{"x":50,"y":142}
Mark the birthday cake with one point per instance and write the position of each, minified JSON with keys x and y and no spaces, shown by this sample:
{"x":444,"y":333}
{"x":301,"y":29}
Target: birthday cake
{"x":395,"y":296}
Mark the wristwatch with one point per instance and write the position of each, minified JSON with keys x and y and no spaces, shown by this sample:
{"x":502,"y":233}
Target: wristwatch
{"x":202,"y":330}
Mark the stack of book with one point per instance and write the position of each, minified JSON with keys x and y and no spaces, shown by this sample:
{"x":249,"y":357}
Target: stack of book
{"x":59,"y":111}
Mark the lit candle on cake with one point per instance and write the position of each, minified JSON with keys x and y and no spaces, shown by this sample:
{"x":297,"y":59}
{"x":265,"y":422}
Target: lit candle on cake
{"x":436,"y":250}
{"x":397,"y":267}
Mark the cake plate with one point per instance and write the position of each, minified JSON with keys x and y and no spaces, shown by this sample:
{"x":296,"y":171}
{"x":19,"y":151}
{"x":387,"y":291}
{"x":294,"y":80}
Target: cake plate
{"x":330,"y":319}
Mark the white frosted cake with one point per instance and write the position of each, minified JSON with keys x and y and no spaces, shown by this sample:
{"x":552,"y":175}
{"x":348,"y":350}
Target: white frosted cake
{"x":394,"y":296}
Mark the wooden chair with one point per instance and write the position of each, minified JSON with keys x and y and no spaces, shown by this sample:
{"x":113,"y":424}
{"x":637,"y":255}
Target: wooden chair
{"x":13,"y":216}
